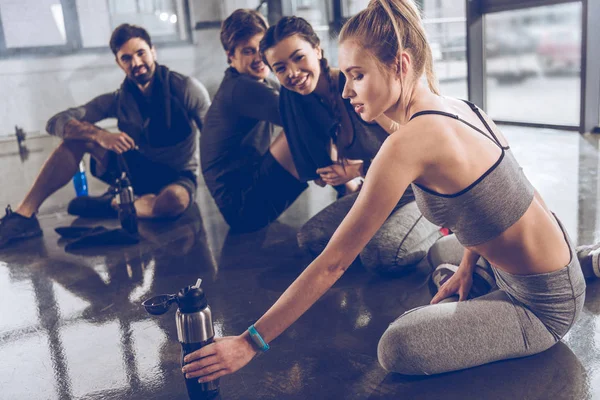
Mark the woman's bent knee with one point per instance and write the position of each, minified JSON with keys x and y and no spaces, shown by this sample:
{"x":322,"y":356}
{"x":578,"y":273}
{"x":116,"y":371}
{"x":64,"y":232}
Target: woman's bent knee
{"x":401,"y":242}
{"x":312,"y":239}
{"x":381,"y":259}
{"x":397,"y":353}
{"x":387,"y":253}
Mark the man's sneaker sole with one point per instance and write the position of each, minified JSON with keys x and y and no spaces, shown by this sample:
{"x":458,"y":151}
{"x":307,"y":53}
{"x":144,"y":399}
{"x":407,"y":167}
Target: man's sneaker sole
{"x":23,"y":236}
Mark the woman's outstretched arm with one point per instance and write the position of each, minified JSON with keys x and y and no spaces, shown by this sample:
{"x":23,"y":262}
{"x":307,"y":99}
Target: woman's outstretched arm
{"x":392,"y":171}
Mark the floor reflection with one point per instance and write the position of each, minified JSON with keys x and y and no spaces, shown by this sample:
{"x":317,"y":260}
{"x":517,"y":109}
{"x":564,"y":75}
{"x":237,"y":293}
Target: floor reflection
{"x":74,"y":321}
{"x":81,"y":320}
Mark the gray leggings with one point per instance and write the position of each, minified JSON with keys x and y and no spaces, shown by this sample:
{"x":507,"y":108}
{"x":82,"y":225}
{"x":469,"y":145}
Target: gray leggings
{"x":526,"y":315}
{"x":403,"y":239}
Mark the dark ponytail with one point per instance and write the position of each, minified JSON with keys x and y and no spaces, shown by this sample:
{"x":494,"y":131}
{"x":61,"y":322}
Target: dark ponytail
{"x":284,"y":28}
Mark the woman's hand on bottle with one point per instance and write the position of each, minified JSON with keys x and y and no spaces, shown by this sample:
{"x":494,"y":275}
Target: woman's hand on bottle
{"x":117,"y":142}
{"x":224,"y":356}
{"x":459,"y":283}
{"x":336,"y":174}
{"x":320,"y":182}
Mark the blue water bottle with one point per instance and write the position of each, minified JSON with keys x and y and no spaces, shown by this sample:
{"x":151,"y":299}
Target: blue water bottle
{"x":80,"y":181}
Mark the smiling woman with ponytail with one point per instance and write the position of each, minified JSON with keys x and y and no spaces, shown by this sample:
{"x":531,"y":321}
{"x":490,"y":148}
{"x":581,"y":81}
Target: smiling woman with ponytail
{"x":465,"y":177}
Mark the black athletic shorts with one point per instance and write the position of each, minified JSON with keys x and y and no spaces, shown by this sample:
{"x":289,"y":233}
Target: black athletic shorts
{"x":146,"y":176}
{"x":261,"y":192}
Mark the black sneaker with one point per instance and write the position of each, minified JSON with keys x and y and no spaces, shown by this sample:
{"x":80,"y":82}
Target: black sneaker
{"x":14,"y":227}
{"x":93,"y":206}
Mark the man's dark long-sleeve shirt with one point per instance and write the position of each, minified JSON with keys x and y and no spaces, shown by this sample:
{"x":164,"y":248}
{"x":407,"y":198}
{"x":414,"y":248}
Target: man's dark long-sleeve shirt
{"x":182,"y":156}
{"x":238,"y":128}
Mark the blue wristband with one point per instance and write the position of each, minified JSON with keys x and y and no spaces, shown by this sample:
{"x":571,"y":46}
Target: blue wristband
{"x":257,"y":339}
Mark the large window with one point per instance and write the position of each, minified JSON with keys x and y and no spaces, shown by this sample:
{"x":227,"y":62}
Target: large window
{"x":94,"y":22}
{"x":445,"y":25}
{"x":314,"y":11}
{"x":533,"y":64}
{"x":318,"y":14}
{"x":32,"y":23}
{"x":66,"y":26}
{"x":353,"y":7}
{"x":161,"y":18}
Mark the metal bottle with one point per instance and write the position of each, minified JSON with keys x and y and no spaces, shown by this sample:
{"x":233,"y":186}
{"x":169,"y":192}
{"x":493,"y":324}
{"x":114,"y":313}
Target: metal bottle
{"x":194,"y":330}
{"x":125,"y":200}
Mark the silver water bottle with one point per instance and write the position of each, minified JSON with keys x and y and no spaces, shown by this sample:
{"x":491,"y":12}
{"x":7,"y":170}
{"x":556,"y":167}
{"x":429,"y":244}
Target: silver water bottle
{"x":194,"y":330}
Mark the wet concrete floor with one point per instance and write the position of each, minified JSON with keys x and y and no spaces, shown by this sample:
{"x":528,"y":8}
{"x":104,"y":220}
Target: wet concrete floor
{"x":71,"y":324}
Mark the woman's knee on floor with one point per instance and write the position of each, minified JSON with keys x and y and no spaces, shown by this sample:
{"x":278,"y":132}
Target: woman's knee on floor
{"x":394,"y":250}
{"x":379,"y":258}
{"x":312,"y":238}
{"x":316,"y":232}
{"x":400,"y":350}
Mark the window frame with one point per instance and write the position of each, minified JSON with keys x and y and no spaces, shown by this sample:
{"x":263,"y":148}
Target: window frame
{"x":590,"y":57}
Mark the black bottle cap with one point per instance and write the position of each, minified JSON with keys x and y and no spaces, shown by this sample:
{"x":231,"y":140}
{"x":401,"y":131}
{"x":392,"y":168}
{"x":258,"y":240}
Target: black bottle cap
{"x":191,"y":299}
{"x":124,"y":180}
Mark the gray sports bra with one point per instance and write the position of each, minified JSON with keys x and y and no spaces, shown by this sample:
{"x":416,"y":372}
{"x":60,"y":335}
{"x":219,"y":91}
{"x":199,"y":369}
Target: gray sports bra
{"x":488,"y":206}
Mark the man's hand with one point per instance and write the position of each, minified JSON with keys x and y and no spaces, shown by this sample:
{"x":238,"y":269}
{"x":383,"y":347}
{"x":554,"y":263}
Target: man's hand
{"x":83,"y":130}
{"x":337,"y":174}
{"x":320,"y":182}
{"x":117,"y":142}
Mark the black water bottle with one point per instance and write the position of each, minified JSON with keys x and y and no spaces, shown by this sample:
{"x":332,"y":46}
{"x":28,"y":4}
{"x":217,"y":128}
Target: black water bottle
{"x":125,"y":201}
{"x":194,"y":331}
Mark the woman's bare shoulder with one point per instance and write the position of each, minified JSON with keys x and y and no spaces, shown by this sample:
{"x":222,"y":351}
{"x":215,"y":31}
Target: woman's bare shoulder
{"x":465,"y":109}
{"x":421,"y":140}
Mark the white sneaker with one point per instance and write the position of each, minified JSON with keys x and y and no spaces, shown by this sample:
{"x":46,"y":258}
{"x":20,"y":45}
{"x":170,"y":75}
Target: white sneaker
{"x":589,"y":257}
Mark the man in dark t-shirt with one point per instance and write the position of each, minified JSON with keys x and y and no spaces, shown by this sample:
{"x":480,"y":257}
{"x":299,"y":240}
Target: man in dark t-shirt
{"x":252,"y":178}
{"x":159,"y":113}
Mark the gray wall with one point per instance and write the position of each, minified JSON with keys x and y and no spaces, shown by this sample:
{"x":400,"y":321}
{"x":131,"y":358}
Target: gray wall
{"x":36,"y":87}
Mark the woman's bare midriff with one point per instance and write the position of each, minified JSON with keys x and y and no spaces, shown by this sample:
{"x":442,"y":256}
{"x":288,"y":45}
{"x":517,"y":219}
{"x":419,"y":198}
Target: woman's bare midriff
{"x":535,"y":244}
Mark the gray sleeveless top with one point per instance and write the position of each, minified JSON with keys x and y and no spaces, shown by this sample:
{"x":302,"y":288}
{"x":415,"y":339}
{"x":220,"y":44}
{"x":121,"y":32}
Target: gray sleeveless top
{"x":485,"y":208}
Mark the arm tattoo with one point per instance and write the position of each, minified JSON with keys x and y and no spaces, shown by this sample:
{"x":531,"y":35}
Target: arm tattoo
{"x":75,"y":129}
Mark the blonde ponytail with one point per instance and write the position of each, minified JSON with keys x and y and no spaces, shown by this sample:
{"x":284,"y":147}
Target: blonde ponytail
{"x":371,"y":29}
